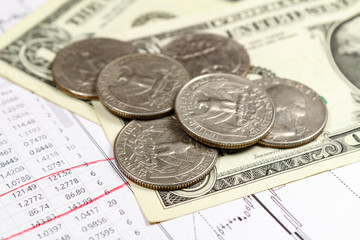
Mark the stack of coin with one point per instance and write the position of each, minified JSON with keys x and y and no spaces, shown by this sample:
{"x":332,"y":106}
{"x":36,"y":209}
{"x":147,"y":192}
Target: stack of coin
{"x":218,"y":108}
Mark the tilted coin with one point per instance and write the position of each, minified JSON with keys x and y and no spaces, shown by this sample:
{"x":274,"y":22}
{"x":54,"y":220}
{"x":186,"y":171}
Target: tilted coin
{"x":224,"y":110}
{"x":300,"y":113}
{"x":158,"y":154}
{"x":76,"y":67}
{"x":208,"y":53}
{"x":141,"y":86}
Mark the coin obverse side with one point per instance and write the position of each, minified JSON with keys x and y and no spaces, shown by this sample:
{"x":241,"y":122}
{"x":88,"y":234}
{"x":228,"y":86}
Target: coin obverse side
{"x":300,"y":113}
{"x":141,"y":86}
{"x":158,"y":154}
{"x":76,"y":67}
{"x":208,"y":53}
{"x":224,"y":110}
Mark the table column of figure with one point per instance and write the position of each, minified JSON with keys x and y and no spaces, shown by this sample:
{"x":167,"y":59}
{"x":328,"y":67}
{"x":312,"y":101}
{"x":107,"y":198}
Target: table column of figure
{"x":41,"y":146}
{"x":120,"y":214}
{"x":46,"y":139}
{"x":66,"y":190}
{"x":25,"y":137}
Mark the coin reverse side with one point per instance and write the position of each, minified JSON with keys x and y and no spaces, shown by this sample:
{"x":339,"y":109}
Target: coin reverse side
{"x":158,"y":154}
{"x":141,"y":86}
{"x":301,"y":113}
{"x":208,"y":53}
{"x":224,"y":110}
{"x":76,"y":67}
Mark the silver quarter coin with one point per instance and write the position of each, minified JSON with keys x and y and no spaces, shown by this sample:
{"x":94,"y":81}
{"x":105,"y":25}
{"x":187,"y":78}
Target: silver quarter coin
{"x":158,"y":154}
{"x":300,"y":113}
{"x":209,"y":53}
{"x":141,"y":86}
{"x":76,"y":67}
{"x":224,"y":110}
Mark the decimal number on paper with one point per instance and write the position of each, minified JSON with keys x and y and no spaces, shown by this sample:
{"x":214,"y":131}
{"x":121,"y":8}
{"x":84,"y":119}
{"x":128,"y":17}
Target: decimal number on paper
{"x":18,"y":181}
{"x":24,"y":124}
{"x":49,"y":231}
{"x":5,"y":152}
{"x":94,"y":224}
{"x":29,"y":132}
{"x":48,"y":156}
{"x":53,"y":166}
{"x":86,"y":214}
{"x":80,"y":203}
{"x":60,"y":175}
{"x":13,"y":108}
{"x":9,"y":100}
{"x":35,"y":140}
{"x":43,"y":220}
{"x":67,"y":184}
{"x":38,"y":209}
{"x":31,"y":200}
{"x":102,"y":234}
{"x":12,"y":172}
{"x":18,"y":116}
{"x":75,"y":193}
{"x":40,"y":149}
{"x":8,"y":161}
{"x":21,"y":192}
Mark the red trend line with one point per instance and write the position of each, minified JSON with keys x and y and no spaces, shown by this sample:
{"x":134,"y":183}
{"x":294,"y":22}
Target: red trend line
{"x":68,"y":212}
{"x":70,"y":168}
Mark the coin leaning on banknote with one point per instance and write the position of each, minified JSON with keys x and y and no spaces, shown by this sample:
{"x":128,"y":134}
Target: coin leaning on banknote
{"x":158,"y":154}
{"x":300,"y":116}
{"x":76,"y":67}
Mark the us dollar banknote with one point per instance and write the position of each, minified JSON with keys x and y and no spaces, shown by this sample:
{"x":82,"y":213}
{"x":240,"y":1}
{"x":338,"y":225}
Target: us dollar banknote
{"x":299,"y":40}
{"x":27,"y":50}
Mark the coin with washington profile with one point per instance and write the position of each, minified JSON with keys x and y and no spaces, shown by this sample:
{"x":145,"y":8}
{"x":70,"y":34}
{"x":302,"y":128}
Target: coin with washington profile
{"x":158,"y":154}
{"x":204,"y":53}
{"x":224,"y":110}
{"x":76,"y":67}
{"x":141,"y":86}
{"x":300,"y":113}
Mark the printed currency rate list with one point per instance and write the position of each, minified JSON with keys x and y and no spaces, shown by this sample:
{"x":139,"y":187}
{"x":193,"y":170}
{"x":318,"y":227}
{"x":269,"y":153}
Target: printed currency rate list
{"x":52,"y":181}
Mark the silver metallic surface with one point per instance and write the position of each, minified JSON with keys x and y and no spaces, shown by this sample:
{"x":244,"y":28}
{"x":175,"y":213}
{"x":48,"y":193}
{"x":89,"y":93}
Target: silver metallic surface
{"x":208,"y":53}
{"x":224,"y":110}
{"x":300,"y":115}
{"x":141,"y":86}
{"x":76,"y":67}
{"x":158,"y":154}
